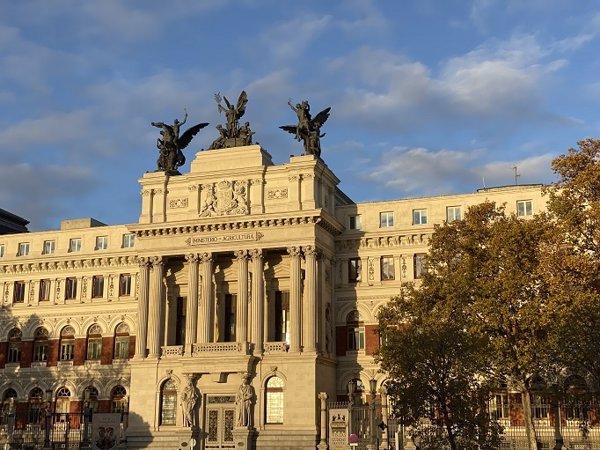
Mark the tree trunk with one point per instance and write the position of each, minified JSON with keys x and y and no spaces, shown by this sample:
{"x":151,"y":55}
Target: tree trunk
{"x":527,"y":417}
{"x":448,"y":425}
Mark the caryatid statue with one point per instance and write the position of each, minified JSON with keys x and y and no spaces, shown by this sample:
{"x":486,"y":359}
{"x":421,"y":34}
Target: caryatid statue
{"x":189,"y":398}
{"x":243,"y":402}
{"x":170,"y":145}
{"x":308,"y":129}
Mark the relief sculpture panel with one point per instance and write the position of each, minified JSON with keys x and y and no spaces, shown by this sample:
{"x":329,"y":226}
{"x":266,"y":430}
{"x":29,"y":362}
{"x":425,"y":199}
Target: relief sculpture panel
{"x":225,"y":198}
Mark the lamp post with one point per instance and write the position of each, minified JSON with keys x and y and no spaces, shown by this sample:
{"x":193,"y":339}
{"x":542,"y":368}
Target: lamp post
{"x":48,"y":420}
{"x":372,"y":427}
{"x":85,"y":444}
{"x":384,"y":418}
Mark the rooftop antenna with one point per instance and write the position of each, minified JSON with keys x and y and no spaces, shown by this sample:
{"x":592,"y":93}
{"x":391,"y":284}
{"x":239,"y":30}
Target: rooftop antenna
{"x":517,"y":175}
{"x":483,"y":179}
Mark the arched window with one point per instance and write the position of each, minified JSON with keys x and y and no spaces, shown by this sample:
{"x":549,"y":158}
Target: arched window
{"x":36,"y":406}
{"x":356,"y":331}
{"x":8,"y":403}
{"x":91,"y":397}
{"x":94,"y":343}
{"x":63,"y":400}
{"x":168,"y":402}
{"x":40,"y":345}
{"x":67,"y":343}
{"x":274,"y":400}
{"x":14,"y":346}
{"x":122,"y":341}
{"x":118,"y":400}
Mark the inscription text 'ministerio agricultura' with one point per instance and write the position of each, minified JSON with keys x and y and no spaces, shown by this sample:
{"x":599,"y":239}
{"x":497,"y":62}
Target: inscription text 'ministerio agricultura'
{"x":237,"y":237}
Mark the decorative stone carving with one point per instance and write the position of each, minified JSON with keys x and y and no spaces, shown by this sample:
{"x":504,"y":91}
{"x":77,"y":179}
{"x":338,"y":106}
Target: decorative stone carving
{"x":276,"y":194}
{"x":226,"y":198}
{"x":243,"y":402}
{"x":294,"y":251}
{"x":178,"y":203}
{"x":189,"y":398}
{"x":241,"y":254}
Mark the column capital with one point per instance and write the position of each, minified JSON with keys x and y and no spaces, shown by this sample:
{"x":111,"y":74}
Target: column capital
{"x":294,"y":251}
{"x":323,"y":396}
{"x":310,"y":250}
{"x":256,"y":253}
{"x":206,"y":257}
{"x":241,"y":254}
{"x":192,"y":258}
{"x":157,"y":261}
{"x":144,"y":261}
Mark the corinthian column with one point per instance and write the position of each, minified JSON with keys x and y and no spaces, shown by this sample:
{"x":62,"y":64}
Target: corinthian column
{"x":295,"y":298}
{"x":258,"y":300}
{"x":142,"y":325}
{"x":310,"y":300}
{"x":206,"y":309}
{"x":155,"y":309}
{"x":191,"y":310}
{"x":241,"y":314}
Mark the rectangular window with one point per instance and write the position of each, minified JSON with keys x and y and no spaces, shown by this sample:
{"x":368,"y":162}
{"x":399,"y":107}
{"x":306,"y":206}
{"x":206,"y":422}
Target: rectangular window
{"x":101,"y":242}
{"x":498,"y":407}
{"x":356,"y":338}
{"x":75,"y":245}
{"x":94,"y":348}
{"x":229,"y":313}
{"x":40,"y":351}
{"x":453,"y":213}
{"x":282,"y":316}
{"x":128,"y":240}
{"x":524,"y":208}
{"x":124,"y":284}
{"x":386,"y":219}
{"x":14,"y":352}
{"x":19,"y":292}
{"x":419,"y":216}
{"x":122,"y":347}
{"x":97,"y":286}
{"x":70,"y":288}
{"x":1,"y":250}
{"x":180,"y":321}
{"x":67,"y":349}
{"x":49,"y":247}
{"x":354,"y":222}
{"x":44,"y":290}
{"x":387,"y":268}
{"x":23,"y":249}
{"x":419,"y":261}
{"x":354,"y":270}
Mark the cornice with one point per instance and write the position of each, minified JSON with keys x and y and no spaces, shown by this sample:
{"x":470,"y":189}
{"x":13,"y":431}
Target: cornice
{"x":398,"y":239}
{"x":69,"y":264}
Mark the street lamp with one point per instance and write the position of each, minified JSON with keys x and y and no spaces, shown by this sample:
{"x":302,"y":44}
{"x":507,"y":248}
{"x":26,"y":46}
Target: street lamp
{"x":87,"y":413}
{"x":48,"y":420}
{"x":373,"y":430}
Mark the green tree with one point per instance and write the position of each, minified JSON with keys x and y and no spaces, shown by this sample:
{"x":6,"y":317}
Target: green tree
{"x":485,"y":273}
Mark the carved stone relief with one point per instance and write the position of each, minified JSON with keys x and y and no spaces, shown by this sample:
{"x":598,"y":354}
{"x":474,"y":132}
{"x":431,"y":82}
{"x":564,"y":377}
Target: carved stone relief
{"x":225,"y":198}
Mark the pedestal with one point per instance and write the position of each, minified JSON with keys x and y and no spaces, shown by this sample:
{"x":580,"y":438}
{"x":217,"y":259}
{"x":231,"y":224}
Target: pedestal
{"x":243,"y":438}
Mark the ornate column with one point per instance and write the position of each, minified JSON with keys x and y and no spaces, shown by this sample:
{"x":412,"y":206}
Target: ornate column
{"x":295,"y":298}
{"x":323,"y":441}
{"x":155,"y":308}
{"x":206,"y":310}
{"x":309,"y":312}
{"x":241,"y":314}
{"x":142,"y":325}
{"x":258,"y":300}
{"x":191,"y":310}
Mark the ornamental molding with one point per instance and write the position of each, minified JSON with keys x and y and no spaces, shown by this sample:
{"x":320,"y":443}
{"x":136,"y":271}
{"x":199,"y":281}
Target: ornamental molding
{"x":69,"y":265}
{"x":277,"y":193}
{"x":178,"y":203}
{"x":397,"y":240}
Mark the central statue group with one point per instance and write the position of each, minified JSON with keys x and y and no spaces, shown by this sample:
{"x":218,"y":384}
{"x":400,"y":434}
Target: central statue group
{"x":170,"y":144}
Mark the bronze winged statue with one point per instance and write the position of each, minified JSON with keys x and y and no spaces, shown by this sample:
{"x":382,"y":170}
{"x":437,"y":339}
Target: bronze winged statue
{"x":170,"y":145}
{"x":232,"y":134}
{"x":308,"y":129}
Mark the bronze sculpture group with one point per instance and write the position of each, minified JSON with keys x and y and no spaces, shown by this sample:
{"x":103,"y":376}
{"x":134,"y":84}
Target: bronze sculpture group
{"x":232,"y":134}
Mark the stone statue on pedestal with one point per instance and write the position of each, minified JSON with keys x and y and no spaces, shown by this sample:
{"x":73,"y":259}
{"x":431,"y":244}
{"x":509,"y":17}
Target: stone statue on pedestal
{"x":189,"y":398}
{"x":243,"y":402}
{"x":308,"y":129}
{"x":170,"y":145}
{"x":232,"y":134}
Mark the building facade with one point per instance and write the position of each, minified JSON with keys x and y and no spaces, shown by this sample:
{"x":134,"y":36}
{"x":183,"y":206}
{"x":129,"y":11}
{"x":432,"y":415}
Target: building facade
{"x":245,"y":291}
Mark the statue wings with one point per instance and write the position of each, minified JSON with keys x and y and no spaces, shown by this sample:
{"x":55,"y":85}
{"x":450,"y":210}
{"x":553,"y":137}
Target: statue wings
{"x":186,"y":137}
{"x":292,"y":129}
{"x":240,"y":109}
{"x":320,"y":118}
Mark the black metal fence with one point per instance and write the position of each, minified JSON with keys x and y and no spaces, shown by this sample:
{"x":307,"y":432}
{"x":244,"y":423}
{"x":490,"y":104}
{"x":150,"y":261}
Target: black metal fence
{"x":56,"y":431}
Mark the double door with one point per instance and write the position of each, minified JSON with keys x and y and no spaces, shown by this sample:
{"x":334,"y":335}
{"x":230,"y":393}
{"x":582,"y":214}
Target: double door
{"x":219,"y":420}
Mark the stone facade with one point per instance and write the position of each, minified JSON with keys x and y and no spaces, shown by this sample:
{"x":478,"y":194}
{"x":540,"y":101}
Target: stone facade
{"x":238,"y":270}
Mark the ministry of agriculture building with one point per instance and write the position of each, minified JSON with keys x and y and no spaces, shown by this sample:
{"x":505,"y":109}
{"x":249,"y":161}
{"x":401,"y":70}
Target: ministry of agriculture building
{"x":243,"y":300}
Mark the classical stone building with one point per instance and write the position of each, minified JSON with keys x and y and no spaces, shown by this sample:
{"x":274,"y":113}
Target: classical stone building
{"x":243,"y":282}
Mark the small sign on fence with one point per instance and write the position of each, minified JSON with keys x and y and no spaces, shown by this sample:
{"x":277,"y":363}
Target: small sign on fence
{"x":106,"y":431}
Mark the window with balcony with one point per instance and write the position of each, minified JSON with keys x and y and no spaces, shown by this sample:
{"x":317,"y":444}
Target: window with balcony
{"x":49,"y":247}
{"x":282,"y":317}
{"x":388,"y":271}
{"x":386,"y":219}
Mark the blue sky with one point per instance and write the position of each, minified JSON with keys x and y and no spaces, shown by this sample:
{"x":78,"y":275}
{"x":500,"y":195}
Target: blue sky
{"x":427,"y":96}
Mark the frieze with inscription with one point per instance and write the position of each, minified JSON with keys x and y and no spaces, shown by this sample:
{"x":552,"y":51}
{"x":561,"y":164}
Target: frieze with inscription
{"x":237,"y":237}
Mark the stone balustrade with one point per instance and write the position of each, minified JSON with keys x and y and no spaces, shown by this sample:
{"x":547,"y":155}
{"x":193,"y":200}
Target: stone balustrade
{"x":171,"y":351}
{"x":219,"y":347}
{"x":276,"y":347}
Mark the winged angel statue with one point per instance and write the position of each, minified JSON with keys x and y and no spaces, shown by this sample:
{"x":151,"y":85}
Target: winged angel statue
{"x":308,"y":129}
{"x":170,"y":145}
{"x":233,"y":135}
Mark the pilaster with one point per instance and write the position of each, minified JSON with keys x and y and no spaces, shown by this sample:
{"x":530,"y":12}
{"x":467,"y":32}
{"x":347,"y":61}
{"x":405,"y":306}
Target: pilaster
{"x":241,"y":319}
{"x":206,"y":310}
{"x":295,"y":298}
{"x":310,"y":299}
{"x":155,"y":308}
{"x":142,"y":323}
{"x":191,"y":312}
{"x":258,"y":300}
